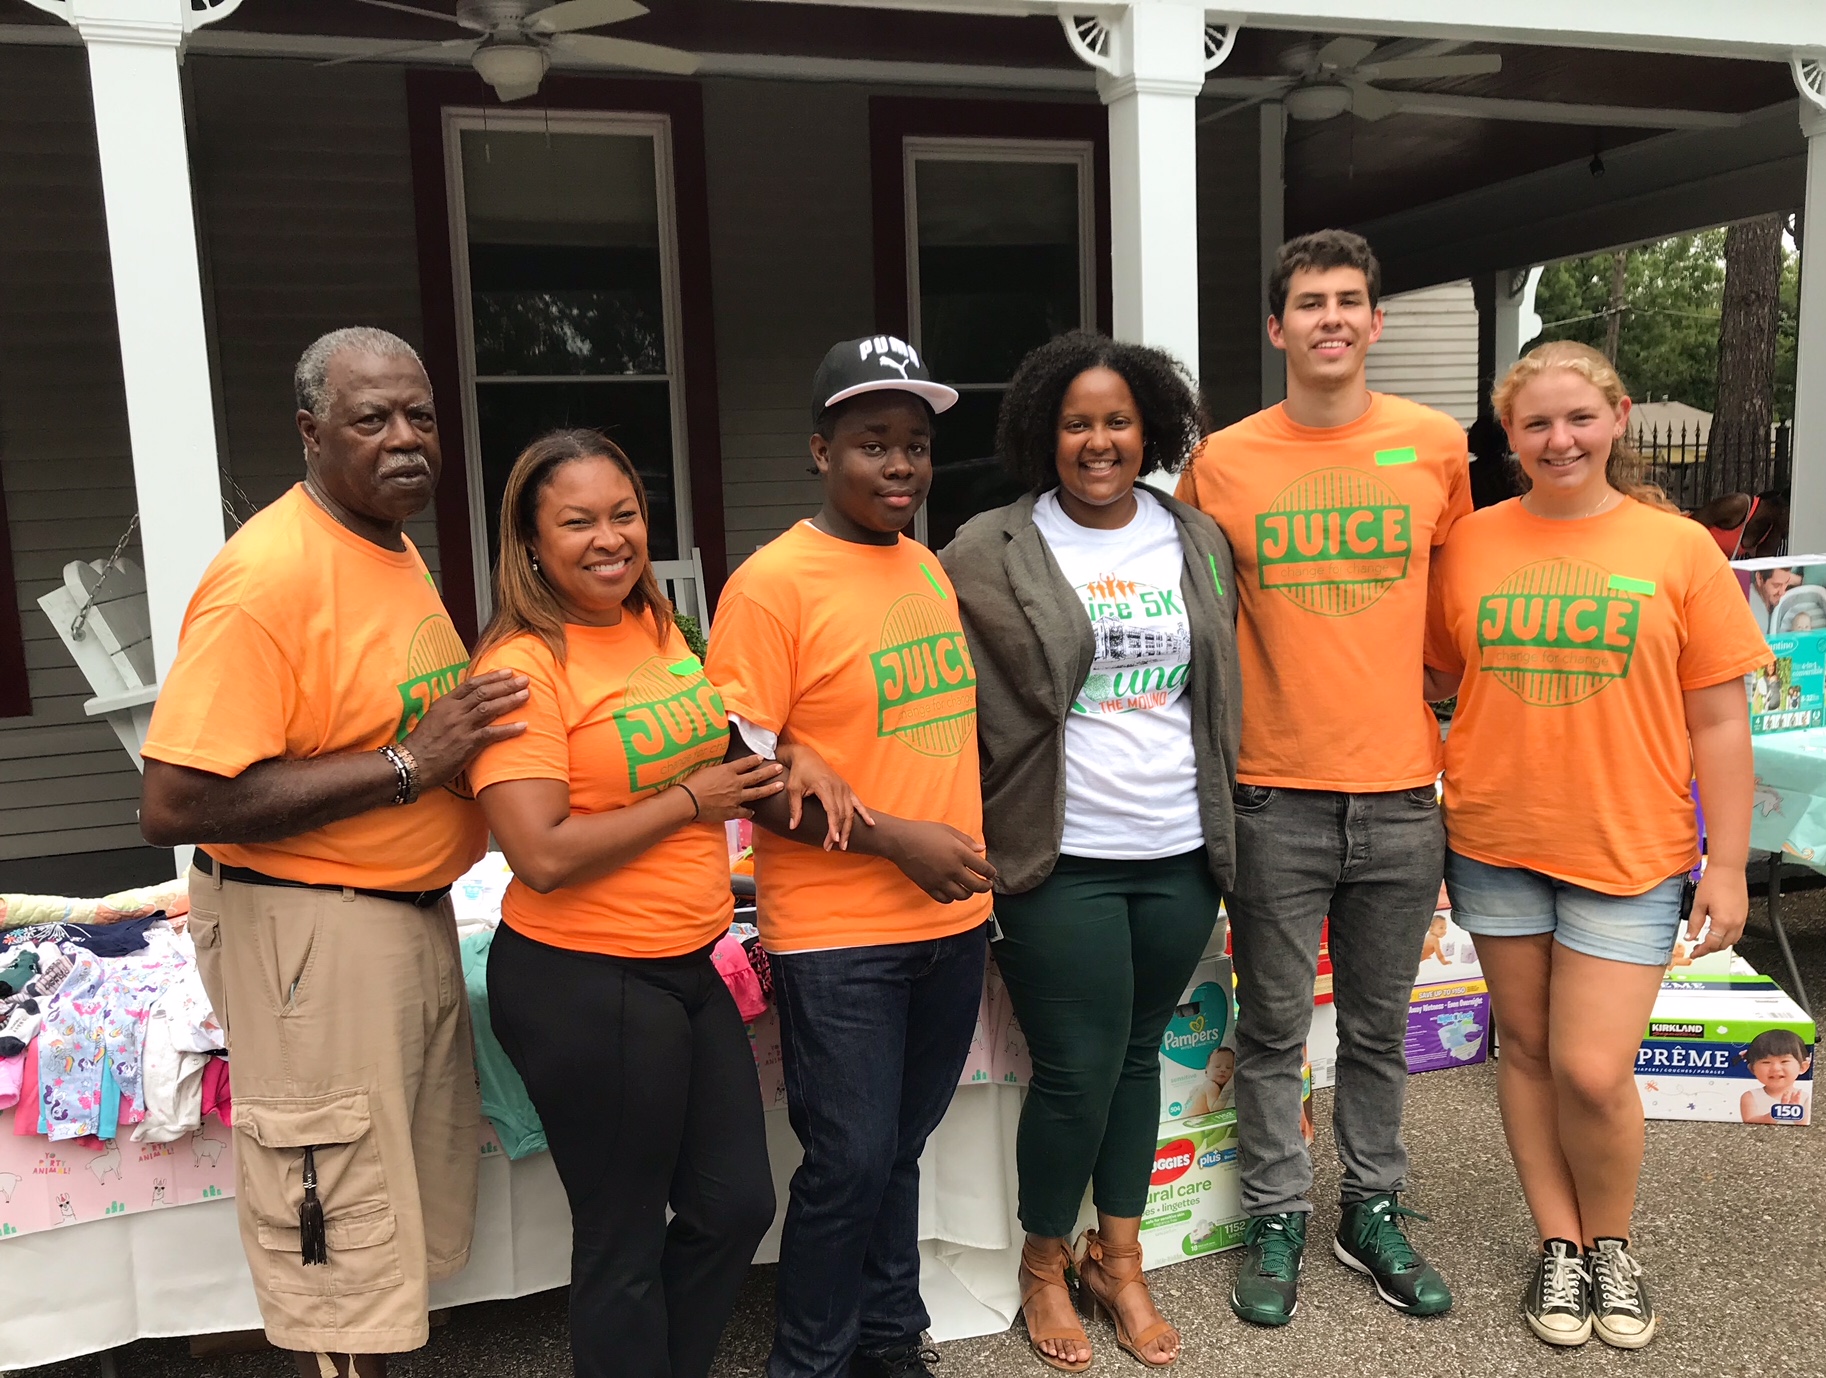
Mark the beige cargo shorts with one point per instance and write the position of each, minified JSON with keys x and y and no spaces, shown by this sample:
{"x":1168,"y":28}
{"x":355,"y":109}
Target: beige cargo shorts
{"x":348,"y":1034}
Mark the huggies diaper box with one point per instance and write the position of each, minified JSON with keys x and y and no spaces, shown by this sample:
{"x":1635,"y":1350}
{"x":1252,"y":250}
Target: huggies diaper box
{"x":1728,"y":1046}
{"x":1194,"y":1205}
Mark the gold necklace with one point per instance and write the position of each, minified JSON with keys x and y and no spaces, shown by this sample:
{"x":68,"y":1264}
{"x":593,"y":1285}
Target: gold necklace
{"x":1608,"y":491}
{"x":322,"y":502}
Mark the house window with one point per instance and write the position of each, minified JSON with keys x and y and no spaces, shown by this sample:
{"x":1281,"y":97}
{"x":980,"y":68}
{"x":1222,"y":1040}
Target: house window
{"x":1000,"y":236}
{"x":567,"y":297}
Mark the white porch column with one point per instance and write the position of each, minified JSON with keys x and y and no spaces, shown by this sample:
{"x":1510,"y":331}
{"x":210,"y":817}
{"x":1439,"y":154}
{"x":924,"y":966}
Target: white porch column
{"x":1807,"y":517}
{"x":1151,"y":63}
{"x":133,"y":50}
{"x":1516,"y":320}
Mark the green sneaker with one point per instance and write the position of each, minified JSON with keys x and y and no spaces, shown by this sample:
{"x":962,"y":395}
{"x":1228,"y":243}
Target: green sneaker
{"x":1267,"y":1290}
{"x":1370,"y":1240}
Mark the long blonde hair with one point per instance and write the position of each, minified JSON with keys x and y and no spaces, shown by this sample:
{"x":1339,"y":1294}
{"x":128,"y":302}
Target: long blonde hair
{"x":524,"y":602}
{"x":1626,"y":469}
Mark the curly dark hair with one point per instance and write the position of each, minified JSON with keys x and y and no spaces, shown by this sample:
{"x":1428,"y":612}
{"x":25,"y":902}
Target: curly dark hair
{"x":1027,"y":431}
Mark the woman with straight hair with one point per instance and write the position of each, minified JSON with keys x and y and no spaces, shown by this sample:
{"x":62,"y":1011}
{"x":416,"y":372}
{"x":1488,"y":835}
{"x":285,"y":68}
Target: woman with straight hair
{"x":1101,"y":615}
{"x":610,"y":809}
{"x":1597,"y":642}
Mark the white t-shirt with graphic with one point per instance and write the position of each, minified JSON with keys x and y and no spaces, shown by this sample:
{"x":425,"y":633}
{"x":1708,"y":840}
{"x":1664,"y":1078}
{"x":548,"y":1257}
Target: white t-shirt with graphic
{"x":1131,"y":781}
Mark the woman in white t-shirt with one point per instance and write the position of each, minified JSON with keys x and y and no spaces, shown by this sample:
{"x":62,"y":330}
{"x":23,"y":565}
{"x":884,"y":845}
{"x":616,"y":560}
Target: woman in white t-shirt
{"x":1101,"y":618}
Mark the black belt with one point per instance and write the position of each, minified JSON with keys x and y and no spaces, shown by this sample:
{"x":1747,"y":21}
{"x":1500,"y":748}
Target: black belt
{"x":242,"y":875}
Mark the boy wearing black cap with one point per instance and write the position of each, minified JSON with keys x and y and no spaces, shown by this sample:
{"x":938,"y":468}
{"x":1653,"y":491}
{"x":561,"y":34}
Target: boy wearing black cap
{"x":843,"y":634}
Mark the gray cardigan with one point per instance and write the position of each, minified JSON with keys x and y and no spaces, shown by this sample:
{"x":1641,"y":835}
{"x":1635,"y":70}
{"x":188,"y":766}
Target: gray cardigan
{"x":1033,"y":650}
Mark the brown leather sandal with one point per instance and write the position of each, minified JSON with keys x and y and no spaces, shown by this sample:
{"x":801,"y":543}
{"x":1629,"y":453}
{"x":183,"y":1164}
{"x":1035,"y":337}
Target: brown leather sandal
{"x":1100,"y":1253}
{"x":1043,"y":1267}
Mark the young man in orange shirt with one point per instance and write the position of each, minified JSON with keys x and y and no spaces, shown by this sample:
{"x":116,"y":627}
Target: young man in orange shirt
{"x":843,"y":635}
{"x":1333,"y":502}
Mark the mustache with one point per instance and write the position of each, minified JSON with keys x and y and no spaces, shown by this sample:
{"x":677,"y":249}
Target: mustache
{"x":402,"y":463}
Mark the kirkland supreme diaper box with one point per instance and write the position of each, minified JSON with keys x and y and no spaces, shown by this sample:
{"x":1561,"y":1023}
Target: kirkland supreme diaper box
{"x":1731,"y":1047}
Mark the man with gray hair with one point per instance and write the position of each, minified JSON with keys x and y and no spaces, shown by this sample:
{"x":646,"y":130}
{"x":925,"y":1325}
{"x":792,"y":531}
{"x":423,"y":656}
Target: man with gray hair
{"x":311,"y":739}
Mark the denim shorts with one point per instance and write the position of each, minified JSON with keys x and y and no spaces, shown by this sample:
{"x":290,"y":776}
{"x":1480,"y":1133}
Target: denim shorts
{"x":1512,"y":902}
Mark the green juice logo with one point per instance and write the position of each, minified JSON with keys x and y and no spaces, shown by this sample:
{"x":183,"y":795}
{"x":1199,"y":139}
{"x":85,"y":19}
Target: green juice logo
{"x":925,"y":681}
{"x":1558,"y":631}
{"x":435,"y":661}
{"x":670,"y":724}
{"x":1334,"y":541}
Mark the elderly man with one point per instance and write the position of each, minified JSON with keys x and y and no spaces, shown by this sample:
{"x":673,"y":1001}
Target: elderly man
{"x":311,"y":739}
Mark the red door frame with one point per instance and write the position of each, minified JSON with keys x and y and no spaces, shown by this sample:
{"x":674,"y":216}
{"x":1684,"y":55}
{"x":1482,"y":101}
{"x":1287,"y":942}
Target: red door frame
{"x":895,"y":119}
{"x":427,"y":94}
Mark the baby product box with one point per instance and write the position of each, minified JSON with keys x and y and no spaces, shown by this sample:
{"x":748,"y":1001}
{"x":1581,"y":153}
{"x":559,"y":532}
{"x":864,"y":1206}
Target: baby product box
{"x":1789,"y":693}
{"x":1193,"y":1204}
{"x":1198,"y":1050}
{"x":1731,"y":1047}
{"x":1449,"y":1012}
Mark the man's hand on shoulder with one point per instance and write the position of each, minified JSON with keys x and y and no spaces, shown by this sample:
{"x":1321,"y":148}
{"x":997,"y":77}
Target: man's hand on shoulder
{"x":456,"y":729}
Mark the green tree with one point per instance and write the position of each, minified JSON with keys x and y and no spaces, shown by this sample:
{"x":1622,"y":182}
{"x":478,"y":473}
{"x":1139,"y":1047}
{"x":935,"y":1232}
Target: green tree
{"x":1668,"y":344}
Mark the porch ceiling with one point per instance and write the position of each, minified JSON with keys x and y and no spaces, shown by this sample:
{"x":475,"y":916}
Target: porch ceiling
{"x":1339,"y":171}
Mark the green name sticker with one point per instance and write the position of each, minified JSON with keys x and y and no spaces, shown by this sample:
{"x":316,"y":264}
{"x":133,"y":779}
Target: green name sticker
{"x":1404,"y":455}
{"x":1624,"y":584}
{"x":690,"y":665}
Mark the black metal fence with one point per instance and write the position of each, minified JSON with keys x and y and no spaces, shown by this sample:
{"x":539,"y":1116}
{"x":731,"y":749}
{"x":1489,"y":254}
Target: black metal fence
{"x":1680,"y":462}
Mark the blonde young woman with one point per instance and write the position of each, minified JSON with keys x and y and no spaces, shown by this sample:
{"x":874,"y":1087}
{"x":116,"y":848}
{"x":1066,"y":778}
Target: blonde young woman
{"x":1597,"y":641}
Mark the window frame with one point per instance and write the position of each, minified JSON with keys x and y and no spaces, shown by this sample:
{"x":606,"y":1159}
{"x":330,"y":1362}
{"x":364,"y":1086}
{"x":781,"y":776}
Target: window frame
{"x":1079,"y":153}
{"x":895,"y":121}
{"x":428,"y":91}
{"x":656,"y":127}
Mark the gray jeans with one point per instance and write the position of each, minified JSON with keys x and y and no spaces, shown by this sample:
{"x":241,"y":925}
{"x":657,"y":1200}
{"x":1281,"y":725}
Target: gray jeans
{"x":1373,"y":863}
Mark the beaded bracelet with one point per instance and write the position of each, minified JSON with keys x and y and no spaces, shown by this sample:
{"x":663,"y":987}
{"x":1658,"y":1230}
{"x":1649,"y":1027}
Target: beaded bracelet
{"x":405,"y":773}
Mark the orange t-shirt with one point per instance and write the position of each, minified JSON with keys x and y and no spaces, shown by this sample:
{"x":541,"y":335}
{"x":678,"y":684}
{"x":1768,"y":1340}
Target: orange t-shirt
{"x":1332,"y":530}
{"x":620,"y":720}
{"x":305,"y":640}
{"x":1569,"y":753}
{"x":857,"y":652}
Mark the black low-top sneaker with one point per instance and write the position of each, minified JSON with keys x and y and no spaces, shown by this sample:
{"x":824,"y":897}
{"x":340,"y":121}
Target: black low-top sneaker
{"x":1558,"y":1304}
{"x":1267,"y":1290}
{"x":1621,"y":1311}
{"x":911,"y":1360}
{"x":1370,"y":1240}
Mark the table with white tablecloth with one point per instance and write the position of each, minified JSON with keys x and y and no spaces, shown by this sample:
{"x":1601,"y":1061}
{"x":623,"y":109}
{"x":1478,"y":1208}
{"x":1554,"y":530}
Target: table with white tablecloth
{"x":93,"y":1285}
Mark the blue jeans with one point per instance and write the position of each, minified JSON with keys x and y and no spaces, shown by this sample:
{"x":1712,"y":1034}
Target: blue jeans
{"x":1513,"y":902}
{"x":874,"y":1039}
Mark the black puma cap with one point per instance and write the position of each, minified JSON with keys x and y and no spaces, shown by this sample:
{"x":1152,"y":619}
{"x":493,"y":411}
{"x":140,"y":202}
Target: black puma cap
{"x":875,"y":363}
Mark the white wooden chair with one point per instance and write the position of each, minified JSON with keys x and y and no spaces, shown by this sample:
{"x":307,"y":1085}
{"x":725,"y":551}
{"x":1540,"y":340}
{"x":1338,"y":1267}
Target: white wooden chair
{"x":683,"y":583}
{"x":101,"y":615}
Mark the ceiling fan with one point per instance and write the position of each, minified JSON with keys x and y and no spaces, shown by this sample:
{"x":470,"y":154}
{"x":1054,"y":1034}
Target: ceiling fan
{"x":518,"y":39}
{"x":1325,"y":82}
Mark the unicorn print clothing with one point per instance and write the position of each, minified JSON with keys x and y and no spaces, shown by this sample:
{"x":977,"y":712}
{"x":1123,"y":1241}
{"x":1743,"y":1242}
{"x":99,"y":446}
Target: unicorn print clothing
{"x":1131,"y":780}
{"x":97,"y":1016}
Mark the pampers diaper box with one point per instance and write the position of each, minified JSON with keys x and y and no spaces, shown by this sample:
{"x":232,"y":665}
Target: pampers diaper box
{"x":1193,"y":1203}
{"x":1726,"y":1046}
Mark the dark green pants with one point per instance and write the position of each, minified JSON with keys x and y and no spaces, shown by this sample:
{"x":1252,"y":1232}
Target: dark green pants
{"x":1096,"y":957}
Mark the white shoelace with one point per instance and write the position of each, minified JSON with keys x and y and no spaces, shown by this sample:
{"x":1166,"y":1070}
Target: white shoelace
{"x":1560,"y":1288}
{"x":1615,"y":1274}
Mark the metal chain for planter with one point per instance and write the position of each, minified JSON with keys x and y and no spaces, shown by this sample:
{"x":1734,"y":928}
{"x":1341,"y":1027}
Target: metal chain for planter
{"x":120,"y":548}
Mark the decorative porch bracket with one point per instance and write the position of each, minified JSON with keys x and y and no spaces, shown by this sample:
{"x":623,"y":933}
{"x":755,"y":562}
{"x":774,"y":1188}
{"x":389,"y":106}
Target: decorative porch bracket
{"x":133,"y":48}
{"x":1151,"y":58}
{"x":1807,"y":519}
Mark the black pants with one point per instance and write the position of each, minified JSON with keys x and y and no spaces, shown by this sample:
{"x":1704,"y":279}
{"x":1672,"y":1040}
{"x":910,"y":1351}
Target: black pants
{"x":642,"y":1074}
